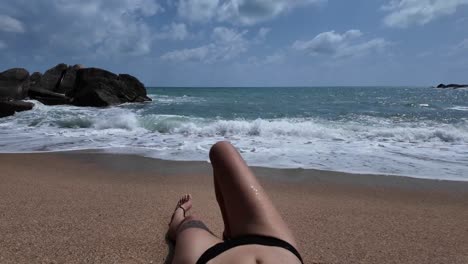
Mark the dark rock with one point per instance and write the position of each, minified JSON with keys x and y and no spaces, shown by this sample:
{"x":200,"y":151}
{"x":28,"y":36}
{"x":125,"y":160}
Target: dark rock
{"x":59,"y":79}
{"x":97,"y":87}
{"x":35,"y":77}
{"x":32,"y":82}
{"x":68,"y":80}
{"x":50,"y":88}
{"x":136,"y":87}
{"x":50,"y":78}
{"x":48,"y":97}
{"x":452,"y":86}
{"x":12,"y":83}
{"x":8,"y":108}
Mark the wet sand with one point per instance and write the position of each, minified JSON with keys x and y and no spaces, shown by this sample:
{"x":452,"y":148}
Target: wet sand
{"x":104,"y":208}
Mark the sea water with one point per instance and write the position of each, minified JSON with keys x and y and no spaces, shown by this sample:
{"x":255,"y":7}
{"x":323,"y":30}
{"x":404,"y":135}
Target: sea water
{"x":409,"y":131}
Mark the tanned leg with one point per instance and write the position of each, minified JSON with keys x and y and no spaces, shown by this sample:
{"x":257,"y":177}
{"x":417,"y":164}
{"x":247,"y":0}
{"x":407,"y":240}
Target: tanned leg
{"x":248,"y":209}
{"x":190,"y":234}
{"x":222,"y":207}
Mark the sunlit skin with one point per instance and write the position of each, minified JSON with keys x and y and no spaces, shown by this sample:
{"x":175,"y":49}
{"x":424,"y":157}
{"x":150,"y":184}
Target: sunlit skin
{"x":246,"y":210}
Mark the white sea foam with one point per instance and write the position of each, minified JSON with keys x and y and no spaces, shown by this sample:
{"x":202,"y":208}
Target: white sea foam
{"x":363,"y":145}
{"x":166,"y":99}
{"x":459,"y":108}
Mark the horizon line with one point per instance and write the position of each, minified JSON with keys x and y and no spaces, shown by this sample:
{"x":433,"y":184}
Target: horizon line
{"x":298,"y":86}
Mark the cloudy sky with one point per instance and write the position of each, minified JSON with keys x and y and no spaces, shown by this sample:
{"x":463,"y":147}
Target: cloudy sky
{"x":244,"y":42}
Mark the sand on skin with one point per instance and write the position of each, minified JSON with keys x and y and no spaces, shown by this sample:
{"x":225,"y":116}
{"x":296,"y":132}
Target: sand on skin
{"x":101,"y":208}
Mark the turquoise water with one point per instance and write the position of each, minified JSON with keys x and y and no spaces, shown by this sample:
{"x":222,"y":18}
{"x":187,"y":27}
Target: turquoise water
{"x":331,"y":103}
{"x":409,"y":131}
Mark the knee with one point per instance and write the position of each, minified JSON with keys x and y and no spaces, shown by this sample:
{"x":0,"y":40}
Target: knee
{"x":219,"y":148}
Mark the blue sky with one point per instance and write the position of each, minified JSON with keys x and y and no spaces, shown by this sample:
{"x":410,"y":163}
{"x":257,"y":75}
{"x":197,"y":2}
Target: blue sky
{"x":244,"y":42}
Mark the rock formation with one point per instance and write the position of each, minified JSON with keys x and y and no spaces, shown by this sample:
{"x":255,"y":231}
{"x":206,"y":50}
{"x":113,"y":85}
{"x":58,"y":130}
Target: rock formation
{"x":97,"y":87}
{"x":452,"y":86}
{"x":8,"y":108}
{"x":12,"y":83}
{"x":65,"y":84}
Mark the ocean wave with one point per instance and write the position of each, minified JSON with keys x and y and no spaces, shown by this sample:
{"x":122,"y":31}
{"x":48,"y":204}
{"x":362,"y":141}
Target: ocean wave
{"x":459,"y":108}
{"x":375,"y":129}
{"x":358,"y":143}
{"x":166,"y":99}
{"x":361,"y":128}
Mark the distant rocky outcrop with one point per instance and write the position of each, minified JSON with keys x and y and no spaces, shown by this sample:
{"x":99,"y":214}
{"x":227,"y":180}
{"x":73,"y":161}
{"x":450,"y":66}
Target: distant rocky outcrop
{"x":452,"y":86}
{"x":13,"y":83}
{"x":64,"y":84}
{"x":8,"y":108}
{"x":97,"y":87}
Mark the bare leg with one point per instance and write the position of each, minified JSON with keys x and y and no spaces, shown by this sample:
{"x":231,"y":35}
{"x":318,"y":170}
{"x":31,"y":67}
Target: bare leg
{"x":219,"y":198}
{"x":247,"y":207}
{"x":192,"y":237}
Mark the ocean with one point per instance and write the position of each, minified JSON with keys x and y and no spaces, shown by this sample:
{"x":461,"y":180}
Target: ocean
{"x":408,"y":131}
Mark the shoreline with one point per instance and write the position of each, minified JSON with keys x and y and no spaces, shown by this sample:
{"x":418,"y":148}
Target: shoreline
{"x":107,"y":151}
{"x":107,"y":208}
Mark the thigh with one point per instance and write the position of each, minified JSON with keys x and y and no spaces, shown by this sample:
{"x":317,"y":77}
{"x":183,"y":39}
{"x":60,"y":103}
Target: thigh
{"x":248,"y":208}
{"x":193,"y":240}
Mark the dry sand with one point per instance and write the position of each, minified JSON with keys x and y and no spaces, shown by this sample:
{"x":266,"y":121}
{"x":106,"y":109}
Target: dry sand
{"x":102,"y":208}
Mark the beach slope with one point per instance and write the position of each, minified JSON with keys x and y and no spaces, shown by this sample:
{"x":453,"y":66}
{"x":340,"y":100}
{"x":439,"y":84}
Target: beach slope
{"x":102,"y":208}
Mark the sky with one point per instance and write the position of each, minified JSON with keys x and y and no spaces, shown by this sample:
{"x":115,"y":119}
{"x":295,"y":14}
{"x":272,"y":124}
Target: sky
{"x":244,"y":42}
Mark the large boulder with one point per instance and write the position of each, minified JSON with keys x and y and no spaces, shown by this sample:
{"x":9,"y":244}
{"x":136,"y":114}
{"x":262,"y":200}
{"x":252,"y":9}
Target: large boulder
{"x":136,"y":90}
{"x":12,"y":83}
{"x":51,"y":87}
{"x":50,"y":78}
{"x":97,"y":87}
{"x":59,"y":79}
{"x":49,"y":98}
{"x":8,"y":108}
{"x":68,"y":81}
{"x":32,"y":82}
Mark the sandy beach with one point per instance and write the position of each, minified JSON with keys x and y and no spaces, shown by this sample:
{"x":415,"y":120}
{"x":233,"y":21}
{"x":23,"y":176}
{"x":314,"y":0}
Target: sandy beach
{"x":104,"y":208}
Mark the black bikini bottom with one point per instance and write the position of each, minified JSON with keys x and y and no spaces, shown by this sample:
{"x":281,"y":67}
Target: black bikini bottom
{"x":218,"y":249}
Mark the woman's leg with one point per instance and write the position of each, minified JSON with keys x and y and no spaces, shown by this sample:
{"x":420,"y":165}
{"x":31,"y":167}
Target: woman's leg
{"x":222,"y":207}
{"x":247,"y":208}
{"x":191,"y":235}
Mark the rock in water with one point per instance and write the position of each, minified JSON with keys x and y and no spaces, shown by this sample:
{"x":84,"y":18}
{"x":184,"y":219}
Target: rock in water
{"x":452,"y":86}
{"x":97,"y":87}
{"x":12,"y":83}
{"x":51,"y":87}
{"x":49,"y":79}
{"x":68,"y":81}
{"x":136,"y":89}
{"x":48,"y":97}
{"x":8,"y":108}
{"x":59,"y":79}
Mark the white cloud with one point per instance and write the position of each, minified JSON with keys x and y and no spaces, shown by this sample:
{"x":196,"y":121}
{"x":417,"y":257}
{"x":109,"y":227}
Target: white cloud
{"x":267,"y":60}
{"x":340,"y":45}
{"x":263,"y":33}
{"x":197,"y":10}
{"x":404,"y":13}
{"x":88,"y":27}
{"x":174,"y":31}
{"x":2,"y":45}
{"x":10,"y":24}
{"x":195,"y":54}
{"x":246,"y":12}
{"x":227,"y":44}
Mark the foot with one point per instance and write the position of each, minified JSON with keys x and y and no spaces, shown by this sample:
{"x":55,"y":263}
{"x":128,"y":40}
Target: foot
{"x":183,"y":206}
